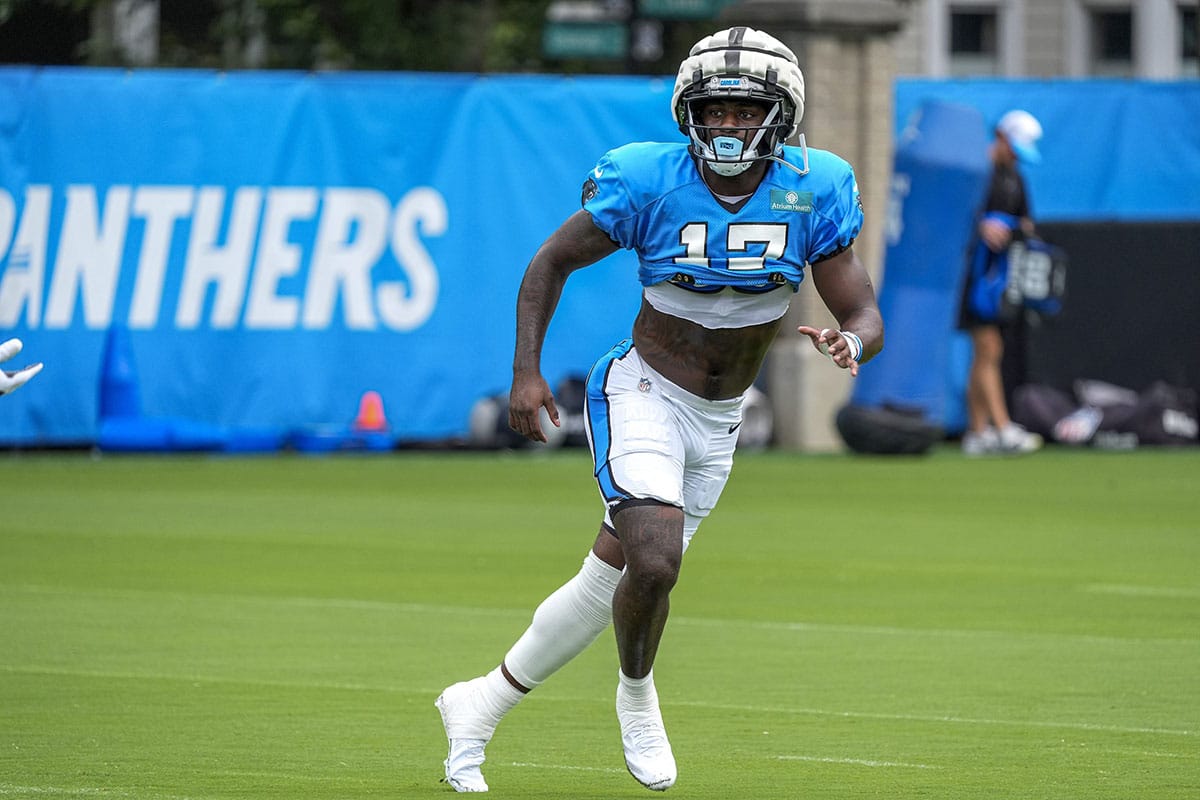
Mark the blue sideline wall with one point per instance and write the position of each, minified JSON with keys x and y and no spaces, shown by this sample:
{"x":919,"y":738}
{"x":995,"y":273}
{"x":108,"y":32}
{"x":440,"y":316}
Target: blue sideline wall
{"x":273,"y":245}
{"x":277,"y":244}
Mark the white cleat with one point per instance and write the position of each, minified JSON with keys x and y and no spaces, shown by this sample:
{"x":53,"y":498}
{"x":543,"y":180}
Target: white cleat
{"x":981,"y":443}
{"x":1015,"y":439}
{"x":463,"y":763}
{"x":468,"y":732}
{"x":647,"y":752}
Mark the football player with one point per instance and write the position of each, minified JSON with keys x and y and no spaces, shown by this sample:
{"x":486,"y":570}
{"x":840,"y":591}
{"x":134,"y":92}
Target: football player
{"x":724,"y":226}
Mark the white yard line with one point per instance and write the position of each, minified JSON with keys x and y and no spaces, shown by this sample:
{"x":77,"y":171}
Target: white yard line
{"x":571,"y":767}
{"x":938,"y":718}
{"x":757,"y":709}
{"x":1130,"y":590}
{"x":122,"y":675}
{"x":423,"y":608}
{"x":861,"y":762}
{"x":764,"y":625}
{"x":12,"y":790}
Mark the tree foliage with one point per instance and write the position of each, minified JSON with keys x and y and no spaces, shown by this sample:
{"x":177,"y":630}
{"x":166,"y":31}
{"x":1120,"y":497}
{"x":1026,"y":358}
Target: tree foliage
{"x":487,"y":36}
{"x":478,"y":36}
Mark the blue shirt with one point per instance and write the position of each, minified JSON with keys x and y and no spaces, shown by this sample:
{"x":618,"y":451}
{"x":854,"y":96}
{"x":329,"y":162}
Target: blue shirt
{"x":651,"y":198}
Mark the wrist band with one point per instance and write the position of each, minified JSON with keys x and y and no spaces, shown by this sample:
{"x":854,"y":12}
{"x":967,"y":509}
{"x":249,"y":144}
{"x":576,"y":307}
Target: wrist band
{"x":852,"y":342}
{"x":855,"y":344}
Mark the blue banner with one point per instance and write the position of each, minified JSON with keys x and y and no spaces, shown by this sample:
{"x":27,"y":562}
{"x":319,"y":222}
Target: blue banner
{"x":271,"y":246}
{"x":1113,"y":148}
{"x":274,"y":245}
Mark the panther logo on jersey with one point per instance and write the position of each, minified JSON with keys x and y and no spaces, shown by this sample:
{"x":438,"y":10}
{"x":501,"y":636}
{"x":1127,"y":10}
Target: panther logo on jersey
{"x":590,"y":190}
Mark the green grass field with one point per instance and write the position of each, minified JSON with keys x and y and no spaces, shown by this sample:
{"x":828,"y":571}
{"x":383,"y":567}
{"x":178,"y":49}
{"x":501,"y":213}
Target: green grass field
{"x":845,"y":627}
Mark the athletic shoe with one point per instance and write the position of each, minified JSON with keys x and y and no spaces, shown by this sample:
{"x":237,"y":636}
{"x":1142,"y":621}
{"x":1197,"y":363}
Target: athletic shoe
{"x":981,"y":443}
{"x":468,"y":731}
{"x":463,"y":763}
{"x":1015,"y":439}
{"x":647,"y":752}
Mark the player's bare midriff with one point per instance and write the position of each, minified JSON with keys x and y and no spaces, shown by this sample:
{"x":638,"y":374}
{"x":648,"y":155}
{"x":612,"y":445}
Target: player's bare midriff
{"x":714,"y":364}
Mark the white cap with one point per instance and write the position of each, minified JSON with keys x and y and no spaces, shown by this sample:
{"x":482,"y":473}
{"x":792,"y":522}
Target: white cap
{"x":1022,"y":131}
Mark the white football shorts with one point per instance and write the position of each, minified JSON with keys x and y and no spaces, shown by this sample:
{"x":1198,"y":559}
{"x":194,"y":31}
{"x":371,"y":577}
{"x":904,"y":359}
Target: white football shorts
{"x":650,"y":439}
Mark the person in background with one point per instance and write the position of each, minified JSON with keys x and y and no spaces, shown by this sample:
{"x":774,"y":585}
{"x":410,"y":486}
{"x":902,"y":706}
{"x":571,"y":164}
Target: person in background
{"x":11,"y":381}
{"x":724,"y":226}
{"x":1005,"y":214}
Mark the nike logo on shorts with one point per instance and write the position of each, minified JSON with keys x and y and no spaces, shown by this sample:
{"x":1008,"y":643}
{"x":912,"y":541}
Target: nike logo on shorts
{"x":735,"y":426}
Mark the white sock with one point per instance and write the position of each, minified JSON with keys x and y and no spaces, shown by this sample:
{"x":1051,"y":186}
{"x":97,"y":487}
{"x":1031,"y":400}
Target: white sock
{"x":565,"y":623}
{"x":501,"y":695}
{"x":637,"y":694}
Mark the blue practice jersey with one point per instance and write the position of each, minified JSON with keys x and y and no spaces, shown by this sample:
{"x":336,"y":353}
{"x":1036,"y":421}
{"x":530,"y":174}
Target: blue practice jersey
{"x":651,"y":198}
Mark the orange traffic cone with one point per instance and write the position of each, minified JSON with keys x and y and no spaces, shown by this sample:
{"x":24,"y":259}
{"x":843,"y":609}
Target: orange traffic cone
{"x":370,"y":413}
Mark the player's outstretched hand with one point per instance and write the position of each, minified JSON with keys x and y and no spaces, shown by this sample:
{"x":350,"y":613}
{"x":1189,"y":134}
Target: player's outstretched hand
{"x":530,"y":393}
{"x":11,"y":381}
{"x":831,"y":342}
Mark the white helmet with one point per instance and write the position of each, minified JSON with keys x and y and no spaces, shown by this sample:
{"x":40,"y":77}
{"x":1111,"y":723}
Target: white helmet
{"x":740,"y":63}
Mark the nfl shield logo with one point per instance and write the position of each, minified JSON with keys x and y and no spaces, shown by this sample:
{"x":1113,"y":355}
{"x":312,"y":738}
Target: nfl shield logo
{"x":644,"y":385}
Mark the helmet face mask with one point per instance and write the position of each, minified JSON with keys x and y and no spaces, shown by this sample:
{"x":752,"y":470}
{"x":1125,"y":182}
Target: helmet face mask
{"x":739,"y":65}
{"x":716,"y":143}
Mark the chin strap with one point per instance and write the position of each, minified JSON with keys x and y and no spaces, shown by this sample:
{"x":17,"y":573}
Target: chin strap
{"x":803,"y":154}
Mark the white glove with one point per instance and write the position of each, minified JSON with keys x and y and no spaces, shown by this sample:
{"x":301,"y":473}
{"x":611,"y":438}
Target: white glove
{"x":11,"y":381}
